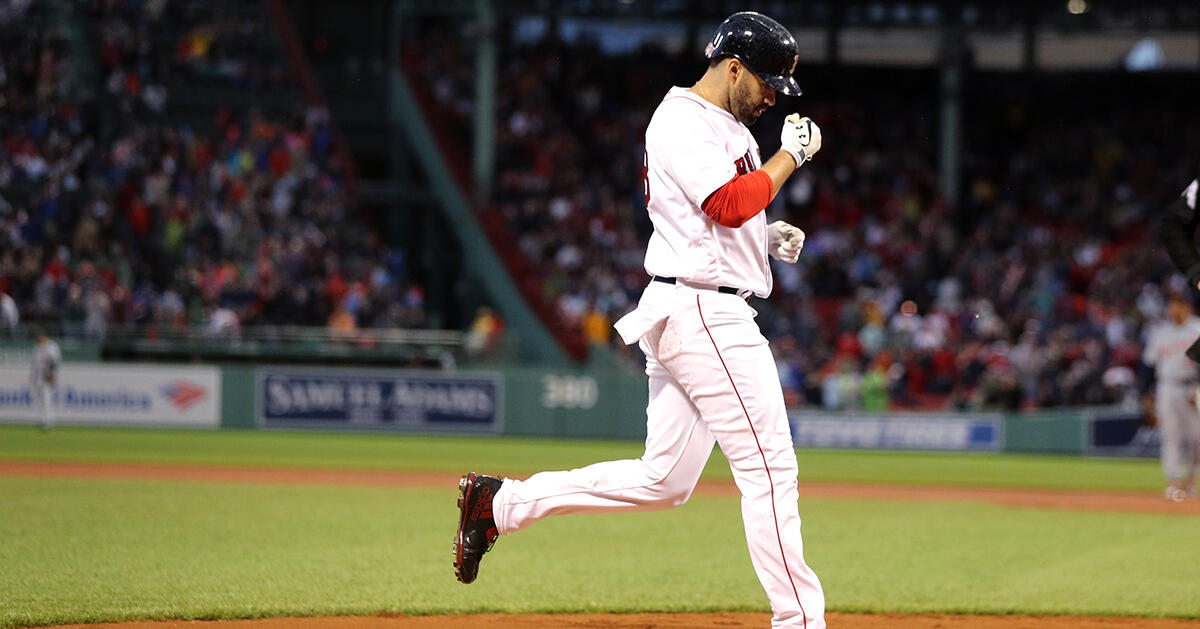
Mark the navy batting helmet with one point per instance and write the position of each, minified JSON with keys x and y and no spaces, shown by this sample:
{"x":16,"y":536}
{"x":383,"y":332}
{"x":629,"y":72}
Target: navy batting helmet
{"x":763,"y":44}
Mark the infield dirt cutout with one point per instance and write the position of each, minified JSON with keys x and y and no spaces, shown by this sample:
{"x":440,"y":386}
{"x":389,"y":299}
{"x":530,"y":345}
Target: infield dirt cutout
{"x":1135,"y":502}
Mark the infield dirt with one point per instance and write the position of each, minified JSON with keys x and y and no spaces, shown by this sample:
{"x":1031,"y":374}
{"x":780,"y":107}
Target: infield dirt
{"x":1121,"y":501}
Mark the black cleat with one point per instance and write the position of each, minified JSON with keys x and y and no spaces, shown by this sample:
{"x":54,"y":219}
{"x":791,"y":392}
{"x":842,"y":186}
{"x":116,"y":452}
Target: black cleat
{"x":476,"y":526}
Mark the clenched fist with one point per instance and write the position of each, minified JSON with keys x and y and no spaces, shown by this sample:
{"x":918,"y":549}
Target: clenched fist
{"x":800,"y":137}
{"x":784,"y":241}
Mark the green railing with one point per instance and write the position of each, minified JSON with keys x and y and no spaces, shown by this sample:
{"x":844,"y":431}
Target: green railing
{"x":427,"y":348}
{"x":443,"y":349}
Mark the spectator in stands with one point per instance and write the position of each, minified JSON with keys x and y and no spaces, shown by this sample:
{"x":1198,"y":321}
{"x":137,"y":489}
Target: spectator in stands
{"x":9,"y":314}
{"x":1018,"y":300}
{"x":114,"y":217}
{"x":1032,"y":294}
{"x":485,"y":332}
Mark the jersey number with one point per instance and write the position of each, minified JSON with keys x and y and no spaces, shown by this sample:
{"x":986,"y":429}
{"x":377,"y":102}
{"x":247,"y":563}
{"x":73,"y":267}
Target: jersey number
{"x":646,"y":176}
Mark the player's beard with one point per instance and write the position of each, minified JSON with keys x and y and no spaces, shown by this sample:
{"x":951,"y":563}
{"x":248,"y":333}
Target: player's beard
{"x":743,"y":105}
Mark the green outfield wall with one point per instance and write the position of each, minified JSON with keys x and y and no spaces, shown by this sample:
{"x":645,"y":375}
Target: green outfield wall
{"x":604,"y":398}
{"x":238,"y":391}
{"x":601,"y":399}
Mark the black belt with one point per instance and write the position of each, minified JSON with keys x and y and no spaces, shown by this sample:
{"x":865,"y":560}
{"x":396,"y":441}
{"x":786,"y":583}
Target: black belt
{"x":728,"y":290}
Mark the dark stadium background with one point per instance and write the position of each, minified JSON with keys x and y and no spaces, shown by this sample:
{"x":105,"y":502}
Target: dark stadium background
{"x":457,"y":184}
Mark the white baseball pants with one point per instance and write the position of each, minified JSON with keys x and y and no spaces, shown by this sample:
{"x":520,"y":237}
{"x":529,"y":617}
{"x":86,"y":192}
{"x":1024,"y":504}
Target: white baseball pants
{"x":712,"y":378}
{"x":44,"y":396}
{"x":1179,"y":430}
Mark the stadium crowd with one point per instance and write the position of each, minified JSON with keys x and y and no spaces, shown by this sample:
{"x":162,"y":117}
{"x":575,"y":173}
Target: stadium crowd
{"x":1033,"y":294}
{"x":117,"y":216}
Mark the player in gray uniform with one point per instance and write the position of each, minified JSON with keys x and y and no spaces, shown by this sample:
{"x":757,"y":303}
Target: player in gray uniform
{"x":1178,"y":236}
{"x":43,"y":377}
{"x":1175,"y":396}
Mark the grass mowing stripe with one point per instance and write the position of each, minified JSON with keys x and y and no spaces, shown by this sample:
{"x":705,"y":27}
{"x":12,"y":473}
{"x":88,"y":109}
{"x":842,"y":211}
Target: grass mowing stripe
{"x":952,"y":558}
{"x":520,"y":456}
{"x":92,"y":550}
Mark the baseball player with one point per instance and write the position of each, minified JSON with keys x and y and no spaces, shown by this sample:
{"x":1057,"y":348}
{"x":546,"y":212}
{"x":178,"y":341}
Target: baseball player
{"x":43,"y":377}
{"x":1172,"y":348}
{"x":711,"y":375}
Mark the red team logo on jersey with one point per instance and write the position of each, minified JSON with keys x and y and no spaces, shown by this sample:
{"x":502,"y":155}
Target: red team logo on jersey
{"x":744,"y":164}
{"x":646,"y":176}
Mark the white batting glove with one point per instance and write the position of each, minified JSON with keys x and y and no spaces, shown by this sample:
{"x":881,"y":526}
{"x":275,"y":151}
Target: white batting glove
{"x":800,"y":137}
{"x":784,"y":241}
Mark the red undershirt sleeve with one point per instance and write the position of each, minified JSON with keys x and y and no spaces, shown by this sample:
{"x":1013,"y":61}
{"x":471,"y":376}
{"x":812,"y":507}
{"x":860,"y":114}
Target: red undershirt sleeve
{"x":739,"y":199}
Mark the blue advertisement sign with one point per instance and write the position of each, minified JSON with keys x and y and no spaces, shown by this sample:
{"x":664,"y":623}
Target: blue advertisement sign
{"x":822,"y":430}
{"x":398,"y":399}
{"x":1123,"y":434}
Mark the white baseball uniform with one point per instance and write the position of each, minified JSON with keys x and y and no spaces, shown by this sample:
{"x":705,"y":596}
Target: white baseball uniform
{"x":1174,"y":396}
{"x":43,"y":378}
{"x":712,"y":376}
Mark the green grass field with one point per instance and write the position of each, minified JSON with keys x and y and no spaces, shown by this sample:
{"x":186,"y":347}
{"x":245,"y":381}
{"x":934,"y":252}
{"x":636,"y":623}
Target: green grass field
{"x":515,"y":456}
{"x":77,"y":550}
